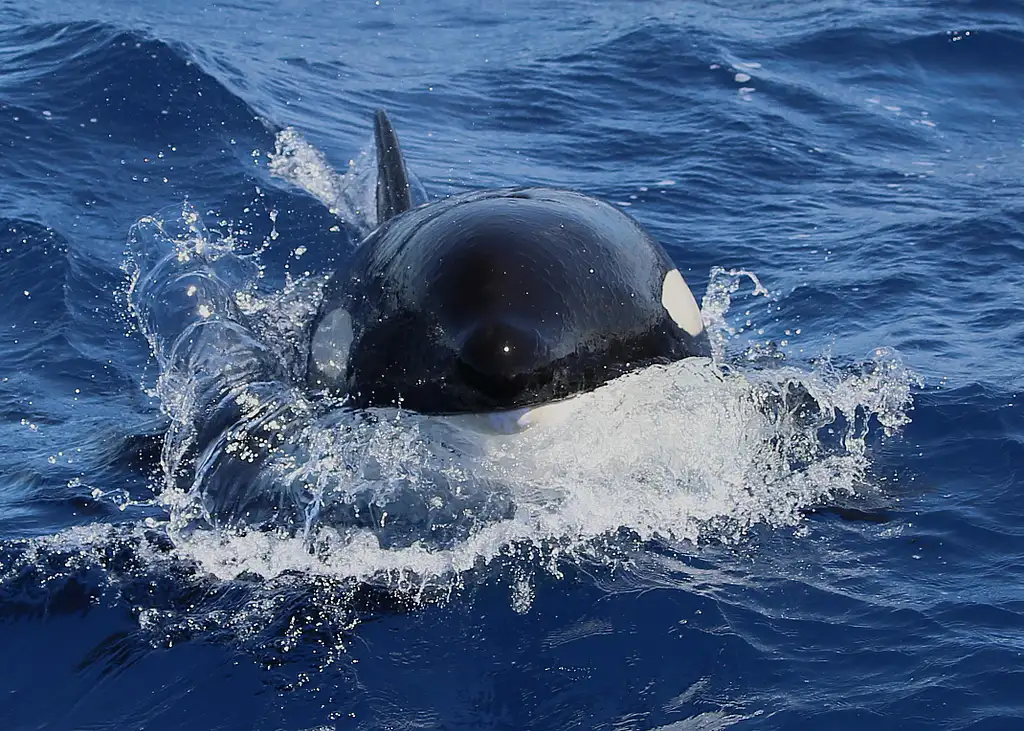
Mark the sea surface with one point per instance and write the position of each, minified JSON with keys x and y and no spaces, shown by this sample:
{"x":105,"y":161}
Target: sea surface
{"x":821,"y":529}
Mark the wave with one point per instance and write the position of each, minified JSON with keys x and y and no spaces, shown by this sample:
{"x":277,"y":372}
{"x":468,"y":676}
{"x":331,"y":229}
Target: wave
{"x":988,"y":49}
{"x":112,"y":120}
{"x":128,"y":81}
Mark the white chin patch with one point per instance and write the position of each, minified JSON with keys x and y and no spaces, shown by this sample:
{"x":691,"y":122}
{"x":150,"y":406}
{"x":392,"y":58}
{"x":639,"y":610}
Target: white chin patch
{"x":331,"y":344}
{"x":678,"y":301}
{"x":517,"y":420}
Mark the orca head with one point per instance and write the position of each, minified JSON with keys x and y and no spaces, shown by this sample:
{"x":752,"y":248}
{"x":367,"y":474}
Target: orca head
{"x":497,"y":300}
{"x":533,"y":295}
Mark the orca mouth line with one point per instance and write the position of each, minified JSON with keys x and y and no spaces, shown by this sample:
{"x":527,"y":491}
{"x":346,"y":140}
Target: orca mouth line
{"x":502,"y":389}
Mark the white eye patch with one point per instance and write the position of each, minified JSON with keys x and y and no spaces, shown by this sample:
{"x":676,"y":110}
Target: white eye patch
{"x":678,"y":301}
{"x":331,"y":344}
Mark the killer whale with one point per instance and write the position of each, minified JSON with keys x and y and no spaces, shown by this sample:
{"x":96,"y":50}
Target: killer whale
{"x":494,"y":306}
{"x":495,"y":300}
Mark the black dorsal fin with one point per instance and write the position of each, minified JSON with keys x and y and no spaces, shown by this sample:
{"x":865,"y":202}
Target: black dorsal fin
{"x":393,"y":195}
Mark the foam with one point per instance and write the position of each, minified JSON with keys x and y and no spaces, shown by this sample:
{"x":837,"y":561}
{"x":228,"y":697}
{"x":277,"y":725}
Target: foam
{"x":680,"y":452}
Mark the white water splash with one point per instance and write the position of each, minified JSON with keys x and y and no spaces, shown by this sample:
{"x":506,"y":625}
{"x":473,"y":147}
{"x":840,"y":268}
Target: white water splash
{"x":680,"y":452}
{"x":699,"y":450}
{"x":349,"y":196}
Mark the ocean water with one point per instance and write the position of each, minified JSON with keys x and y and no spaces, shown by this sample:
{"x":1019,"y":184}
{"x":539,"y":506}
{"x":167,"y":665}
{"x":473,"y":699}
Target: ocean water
{"x":820,"y":528}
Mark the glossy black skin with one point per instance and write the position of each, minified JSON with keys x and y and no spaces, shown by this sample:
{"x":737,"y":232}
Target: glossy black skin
{"x":501,"y":299}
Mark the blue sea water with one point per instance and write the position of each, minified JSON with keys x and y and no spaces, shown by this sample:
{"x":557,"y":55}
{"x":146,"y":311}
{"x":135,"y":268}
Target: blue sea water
{"x":827,"y":532}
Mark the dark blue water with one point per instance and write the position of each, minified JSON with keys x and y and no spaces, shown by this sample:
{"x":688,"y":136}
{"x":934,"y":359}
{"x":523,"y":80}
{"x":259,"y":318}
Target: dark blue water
{"x":828,"y":535}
